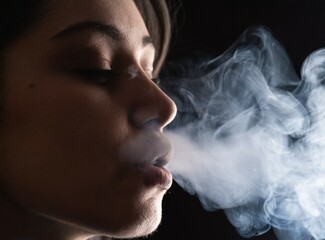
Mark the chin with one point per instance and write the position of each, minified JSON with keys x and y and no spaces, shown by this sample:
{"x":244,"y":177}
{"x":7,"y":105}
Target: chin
{"x":139,"y":221}
{"x":145,"y":224}
{"x":140,"y":229}
{"x":145,"y":229}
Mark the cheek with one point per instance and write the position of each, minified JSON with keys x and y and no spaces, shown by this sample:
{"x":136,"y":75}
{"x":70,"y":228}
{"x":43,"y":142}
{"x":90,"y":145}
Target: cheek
{"x":61,"y":143}
{"x":66,"y":114}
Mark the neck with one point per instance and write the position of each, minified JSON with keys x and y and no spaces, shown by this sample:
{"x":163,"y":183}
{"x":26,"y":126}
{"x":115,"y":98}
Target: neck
{"x":18,"y":223}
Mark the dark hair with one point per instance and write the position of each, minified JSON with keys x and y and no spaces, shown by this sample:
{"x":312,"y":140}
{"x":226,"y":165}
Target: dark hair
{"x":16,"y":17}
{"x":156,"y":17}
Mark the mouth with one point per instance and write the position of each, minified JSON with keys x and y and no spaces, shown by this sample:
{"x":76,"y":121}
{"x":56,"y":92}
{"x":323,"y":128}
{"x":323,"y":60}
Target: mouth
{"x":149,"y":153}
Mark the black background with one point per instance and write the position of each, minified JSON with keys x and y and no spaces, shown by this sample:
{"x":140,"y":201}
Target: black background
{"x":212,"y":26}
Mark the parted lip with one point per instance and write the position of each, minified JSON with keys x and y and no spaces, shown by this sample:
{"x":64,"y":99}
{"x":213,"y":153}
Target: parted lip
{"x":160,"y":162}
{"x":147,"y":148}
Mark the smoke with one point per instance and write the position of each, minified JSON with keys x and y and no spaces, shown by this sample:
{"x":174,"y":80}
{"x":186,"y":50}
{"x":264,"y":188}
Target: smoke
{"x":250,"y":136}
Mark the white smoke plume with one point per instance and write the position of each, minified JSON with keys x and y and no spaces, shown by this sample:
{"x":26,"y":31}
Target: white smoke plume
{"x":250,"y":136}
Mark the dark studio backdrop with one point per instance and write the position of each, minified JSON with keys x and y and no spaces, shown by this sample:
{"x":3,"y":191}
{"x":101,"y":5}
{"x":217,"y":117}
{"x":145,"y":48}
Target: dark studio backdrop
{"x":212,"y":26}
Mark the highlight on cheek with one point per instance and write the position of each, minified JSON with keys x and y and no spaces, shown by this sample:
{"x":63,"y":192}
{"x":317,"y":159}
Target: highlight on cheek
{"x":249,"y":136}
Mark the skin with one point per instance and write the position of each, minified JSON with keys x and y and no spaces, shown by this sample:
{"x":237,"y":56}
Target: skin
{"x":61,"y":171}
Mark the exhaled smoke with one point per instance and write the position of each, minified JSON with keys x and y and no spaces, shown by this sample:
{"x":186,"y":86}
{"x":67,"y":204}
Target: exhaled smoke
{"x":250,"y":136}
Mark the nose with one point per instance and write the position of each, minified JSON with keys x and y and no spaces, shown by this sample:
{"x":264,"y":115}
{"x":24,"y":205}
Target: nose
{"x":152,"y":108}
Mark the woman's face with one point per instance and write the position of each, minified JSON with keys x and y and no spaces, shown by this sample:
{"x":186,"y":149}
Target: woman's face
{"x":81,"y":141}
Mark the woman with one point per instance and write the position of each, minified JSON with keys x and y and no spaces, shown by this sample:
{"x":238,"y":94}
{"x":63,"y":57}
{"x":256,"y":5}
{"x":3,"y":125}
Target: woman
{"x":82,"y":149}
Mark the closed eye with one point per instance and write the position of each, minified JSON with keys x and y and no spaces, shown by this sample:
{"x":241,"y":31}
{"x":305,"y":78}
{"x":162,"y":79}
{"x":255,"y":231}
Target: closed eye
{"x":104,"y":76}
{"x":97,"y":76}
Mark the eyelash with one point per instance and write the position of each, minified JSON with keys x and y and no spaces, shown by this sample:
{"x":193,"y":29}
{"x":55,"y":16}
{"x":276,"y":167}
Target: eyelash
{"x":98,"y":76}
{"x":103,"y":76}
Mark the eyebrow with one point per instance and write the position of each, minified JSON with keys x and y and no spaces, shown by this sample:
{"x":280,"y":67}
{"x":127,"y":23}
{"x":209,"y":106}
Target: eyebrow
{"x":108,"y":30}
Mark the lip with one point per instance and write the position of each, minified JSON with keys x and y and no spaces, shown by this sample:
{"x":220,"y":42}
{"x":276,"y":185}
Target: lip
{"x":155,"y":176}
{"x":149,"y":152}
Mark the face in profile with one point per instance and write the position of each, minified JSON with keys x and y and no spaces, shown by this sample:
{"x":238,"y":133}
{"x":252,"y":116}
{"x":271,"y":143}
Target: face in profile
{"x":82,"y":140}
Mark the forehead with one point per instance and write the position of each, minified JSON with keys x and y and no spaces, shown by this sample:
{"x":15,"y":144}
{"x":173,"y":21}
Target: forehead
{"x":121,"y":13}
